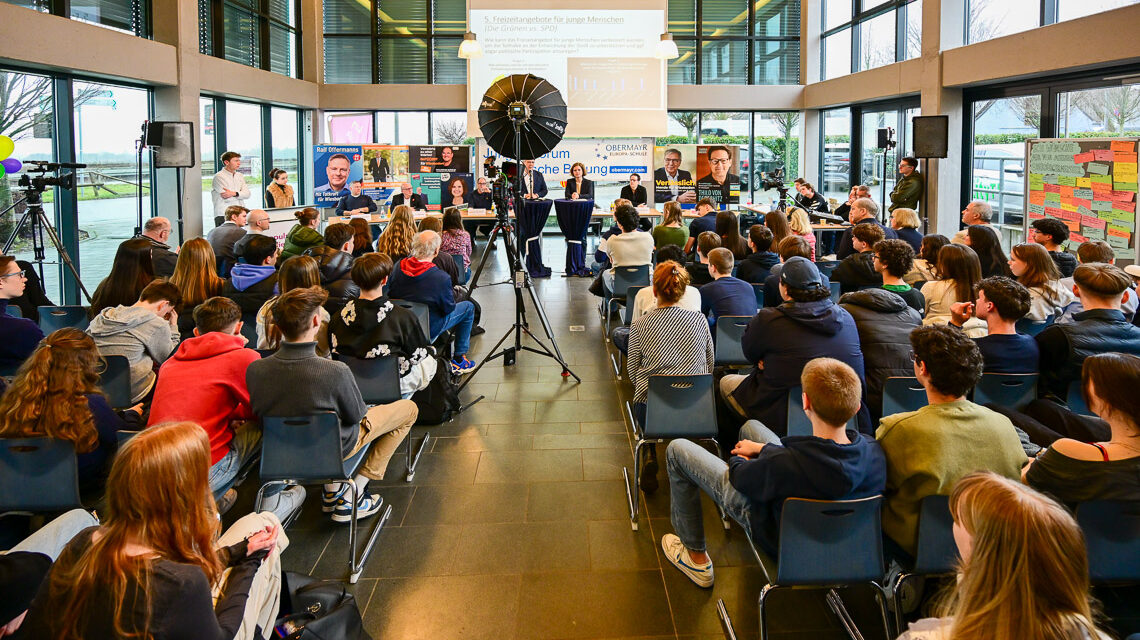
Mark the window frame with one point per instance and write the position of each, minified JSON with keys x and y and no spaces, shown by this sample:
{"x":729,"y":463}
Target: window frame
{"x":698,"y":40}
{"x":863,"y":11}
{"x":213,"y":11}
{"x":144,"y":23}
{"x":221,"y":136}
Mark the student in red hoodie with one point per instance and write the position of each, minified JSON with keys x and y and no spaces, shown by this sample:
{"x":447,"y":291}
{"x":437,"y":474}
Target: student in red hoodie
{"x":204,"y":382}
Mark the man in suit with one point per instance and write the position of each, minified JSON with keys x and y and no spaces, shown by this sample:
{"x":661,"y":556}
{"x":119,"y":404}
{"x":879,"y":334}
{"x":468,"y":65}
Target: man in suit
{"x":673,"y":183}
{"x":378,"y":167}
{"x":720,"y":179}
{"x":414,"y":200}
{"x":534,"y":185}
{"x":223,"y":238}
{"x":337,"y":171}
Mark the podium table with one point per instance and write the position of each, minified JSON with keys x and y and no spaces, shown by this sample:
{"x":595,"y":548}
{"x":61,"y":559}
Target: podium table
{"x":574,"y":221}
{"x":530,"y":224}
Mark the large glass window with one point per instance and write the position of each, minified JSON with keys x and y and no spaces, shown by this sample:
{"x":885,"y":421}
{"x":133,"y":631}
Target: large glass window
{"x":1001,"y":127}
{"x":865,"y":34}
{"x":1099,"y":113}
{"x":211,"y":162}
{"x":127,"y":16}
{"x":836,"y":157}
{"x":243,"y":135}
{"x":733,"y":38}
{"x":283,"y":131}
{"x":394,"y":41}
{"x":875,"y":174}
{"x":986,"y":19}
{"x":403,"y":127}
{"x":258,"y":33}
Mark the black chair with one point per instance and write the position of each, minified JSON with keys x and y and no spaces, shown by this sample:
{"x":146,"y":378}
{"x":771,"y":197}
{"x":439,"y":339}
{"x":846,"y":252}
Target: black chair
{"x":379,"y":383}
{"x":728,"y":351}
{"x":618,"y":362}
{"x":115,"y":381}
{"x":1112,"y":535}
{"x":265,"y":353}
{"x":38,"y":475}
{"x":1030,"y":328}
{"x":901,"y":394}
{"x":462,"y":267}
{"x":624,"y":278}
{"x":1075,"y":399}
{"x":827,"y":266}
{"x":53,"y":318}
{"x":835,"y":291}
{"x":15,"y":311}
{"x":937,"y":553}
{"x":1012,"y":390}
{"x":306,"y":450}
{"x":249,"y":329}
{"x":676,"y":407}
{"x":423,"y":314}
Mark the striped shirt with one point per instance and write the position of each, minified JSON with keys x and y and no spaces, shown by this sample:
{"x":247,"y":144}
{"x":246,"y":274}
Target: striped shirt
{"x":668,"y":341}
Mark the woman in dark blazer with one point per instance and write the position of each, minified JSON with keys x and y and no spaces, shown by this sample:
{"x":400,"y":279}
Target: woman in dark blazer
{"x":578,"y":187}
{"x":634,"y":192}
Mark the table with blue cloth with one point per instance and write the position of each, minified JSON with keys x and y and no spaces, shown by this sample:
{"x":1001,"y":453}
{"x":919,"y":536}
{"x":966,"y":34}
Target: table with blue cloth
{"x":530,"y":224}
{"x":574,"y":221}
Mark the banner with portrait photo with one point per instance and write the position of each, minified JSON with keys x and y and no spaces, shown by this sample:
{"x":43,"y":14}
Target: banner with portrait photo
{"x":674,"y":167}
{"x":717,"y":175}
{"x":427,"y":185}
{"x":384,"y":165}
{"x":440,"y":159}
{"x":455,"y":190}
{"x":334,"y":166}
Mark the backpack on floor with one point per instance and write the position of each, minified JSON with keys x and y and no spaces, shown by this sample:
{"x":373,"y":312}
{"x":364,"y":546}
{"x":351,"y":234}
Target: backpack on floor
{"x":318,"y":610}
{"x":439,"y":401}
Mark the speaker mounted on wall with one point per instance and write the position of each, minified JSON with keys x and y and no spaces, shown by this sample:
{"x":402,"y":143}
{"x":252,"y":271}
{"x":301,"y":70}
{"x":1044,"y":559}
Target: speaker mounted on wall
{"x":173,"y":144}
{"x":931,"y":136}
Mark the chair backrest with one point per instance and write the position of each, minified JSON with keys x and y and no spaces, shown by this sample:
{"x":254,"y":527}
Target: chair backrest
{"x":758,"y":289}
{"x":826,"y":266}
{"x":835,"y":291}
{"x":729,"y":332}
{"x":15,"y":311}
{"x":47,"y":466}
{"x":1112,"y":534}
{"x":1011,"y":390}
{"x":627,"y":314}
{"x":680,"y":407}
{"x":52,"y":318}
{"x":901,"y":394}
{"x":626,"y":277}
{"x":303,"y":448}
{"x":824,"y":542}
{"x":265,"y":353}
{"x":249,"y":328}
{"x":1030,"y":328}
{"x":378,"y":378}
{"x":423,"y":314}
{"x":1075,"y":398}
{"x":462,"y":268}
{"x":937,"y":552}
{"x":115,"y":381}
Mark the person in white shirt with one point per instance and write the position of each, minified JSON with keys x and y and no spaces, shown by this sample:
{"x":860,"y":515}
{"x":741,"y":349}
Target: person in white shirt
{"x":630,"y":248}
{"x":229,"y":186}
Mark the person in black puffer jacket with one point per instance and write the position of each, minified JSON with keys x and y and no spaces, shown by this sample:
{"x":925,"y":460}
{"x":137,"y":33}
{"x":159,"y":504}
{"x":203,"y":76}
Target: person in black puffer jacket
{"x":334,"y":259}
{"x":884,"y":321}
{"x":755,"y":267}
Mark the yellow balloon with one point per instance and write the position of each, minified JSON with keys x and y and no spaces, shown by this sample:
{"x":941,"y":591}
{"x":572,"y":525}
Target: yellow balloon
{"x":6,"y":147}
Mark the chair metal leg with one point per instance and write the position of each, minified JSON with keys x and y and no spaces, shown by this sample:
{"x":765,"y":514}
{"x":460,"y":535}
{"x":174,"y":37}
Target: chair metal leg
{"x":896,"y":597}
{"x":840,"y":610}
{"x":764,"y":620}
{"x":261,"y":493}
{"x":358,"y":558}
{"x":412,"y":461}
{"x":725,"y":620}
{"x":633,"y":489}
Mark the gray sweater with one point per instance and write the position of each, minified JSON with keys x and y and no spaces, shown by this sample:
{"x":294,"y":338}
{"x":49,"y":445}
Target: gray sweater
{"x":295,"y":381}
{"x":144,"y":338}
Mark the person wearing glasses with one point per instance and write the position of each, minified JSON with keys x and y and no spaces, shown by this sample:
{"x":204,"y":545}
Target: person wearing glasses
{"x":18,"y":336}
{"x":720,"y":181}
{"x":671,"y":182}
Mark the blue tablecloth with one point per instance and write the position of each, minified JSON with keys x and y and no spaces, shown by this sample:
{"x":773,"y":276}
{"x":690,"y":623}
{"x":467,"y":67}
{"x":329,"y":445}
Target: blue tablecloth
{"x":530,"y":224}
{"x":574,"y":220}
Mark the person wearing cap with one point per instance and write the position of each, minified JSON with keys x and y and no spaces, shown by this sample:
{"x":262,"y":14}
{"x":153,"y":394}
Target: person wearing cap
{"x":779,"y":341}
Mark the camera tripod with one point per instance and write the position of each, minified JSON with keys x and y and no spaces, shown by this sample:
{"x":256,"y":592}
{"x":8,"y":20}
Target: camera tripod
{"x":39,"y":225}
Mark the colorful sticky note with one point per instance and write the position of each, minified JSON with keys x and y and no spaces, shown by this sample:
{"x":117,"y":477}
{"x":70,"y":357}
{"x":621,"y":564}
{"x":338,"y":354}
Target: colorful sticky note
{"x":1103,"y":155}
{"x":1101,"y":205}
{"x":1130,"y":207}
{"x":1067,"y":181}
{"x":1082,"y":202}
{"x":1066,"y":191}
{"x":1087,"y":194}
{"x":1119,"y":232}
{"x":1120,"y":156}
{"x":1094,"y":234}
{"x":1052,"y":188}
{"x":1052,"y":197}
{"x":1121,"y":195}
{"x":1123,"y":146}
{"x":1077,"y":238}
{"x":1038,"y":209}
{"x":1124,"y":186}
{"x":1100,"y":179}
{"x":1037,"y":197}
{"x":1036,"y":181}
{"x":1124,"y":167}
{"x":1084,"y":183}
{"x":1082,"y":158}
{"x":1093,"y":222}
{"x":1097,"y":168}
{"x":1065,"y":206}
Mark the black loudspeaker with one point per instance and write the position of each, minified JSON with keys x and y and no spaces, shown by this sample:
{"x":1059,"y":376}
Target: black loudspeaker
{"x":931,"y":136}
{"x":884,"y":138}
{"x":173,"y":144}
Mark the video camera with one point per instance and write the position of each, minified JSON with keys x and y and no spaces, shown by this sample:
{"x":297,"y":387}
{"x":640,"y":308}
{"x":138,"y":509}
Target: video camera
{"x":41,"y":182}
{"x":774,"y":180}
{"x":501,"y":184}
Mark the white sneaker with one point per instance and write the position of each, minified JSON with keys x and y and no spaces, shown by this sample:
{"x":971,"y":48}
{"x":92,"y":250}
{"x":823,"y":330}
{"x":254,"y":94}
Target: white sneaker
{"x":675,"y":551}
{"x":284,"y":504}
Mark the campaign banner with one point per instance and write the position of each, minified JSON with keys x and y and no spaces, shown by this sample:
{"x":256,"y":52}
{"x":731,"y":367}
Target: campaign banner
{"x":334,"y":166}
{"x":440,"y":159}
{"x":608,"y":162}
{"x":714,"y":168}
{"x":455,"y":190}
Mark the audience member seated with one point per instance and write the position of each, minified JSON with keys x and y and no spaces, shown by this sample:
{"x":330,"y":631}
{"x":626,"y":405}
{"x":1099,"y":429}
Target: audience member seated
{"x":698,"y":269}
{"x":370,"y":326}
{"x":925,"y":266}
{"x":299,"y":273}
{"x":159,"y":540}
{"x":778,"y":224}
{"x":833,"y":463}
{"x":856,"y":192}
{"x":1034,"y":269}
{"x":893,"y":259}
{"x":1000,"y":303}
{"x":728,"y":228}
{"x":131,"y":271}
{"x":863,"y":211}
{"x":204,"y":383}
{"x":799,"y":224}
{"x":454,"y":239}
{"x":334,"y":260}
{"x":707,"y":210}
{"x":631,"y":248}
{"x":1098,"y":251}
{"x":857,"y":271}
{"x":790,"y":247}
{"x":157,"y":231}
{"x":355,"y":203}
{"x":18,"y":336}
{"x":1052,"y":234}
{"x":780,"y":341}
{"x":646,"y":300}
{"x":444,"y":260}
{"x":884,"y":321}
{"x":257,"y":224}
{"x":252,"y":282}
{"x":669,"y":340}
{"x":958,"y":273}
{"x":1024,"y":571}
{"x":977,"y":213}
{"x":905,"y":222}
{"x":725,"y":295}
{"x":318,"y":385}
{"x":56,"y":395}
{"x":361,"y":236}
{"x":222,"y":238}
{"x":304,"y":235}
{"x":808,"y":199}
{"x":196,"y":276}
{"x":33,"y":297}
{"x":987,"y":245}
{"x":396,"y":240}
{"x":145,"y":332}
{"x":672,"y":229}
{"x":929,"y":450}
{"x":417,"y":279}
{"x":1073,"y":471}
{"x":755,"y":267}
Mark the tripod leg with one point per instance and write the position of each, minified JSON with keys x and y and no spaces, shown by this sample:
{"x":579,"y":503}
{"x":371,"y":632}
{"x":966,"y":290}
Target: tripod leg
{"x":62,"y":253}
{"x":483,"y":258}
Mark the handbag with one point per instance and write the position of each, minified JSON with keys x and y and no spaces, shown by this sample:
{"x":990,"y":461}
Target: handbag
{"x":318,"y":610}
{"x":439,"y":401}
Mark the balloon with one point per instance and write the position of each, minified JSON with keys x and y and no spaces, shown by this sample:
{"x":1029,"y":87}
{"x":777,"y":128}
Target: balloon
{"x":6,"y":147}
{"x":11,"y":165}
{"x":3,"y":171}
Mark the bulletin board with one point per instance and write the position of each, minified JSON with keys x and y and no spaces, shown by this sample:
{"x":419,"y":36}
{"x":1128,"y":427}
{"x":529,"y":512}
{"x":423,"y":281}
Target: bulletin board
{"x":1089,"y":184}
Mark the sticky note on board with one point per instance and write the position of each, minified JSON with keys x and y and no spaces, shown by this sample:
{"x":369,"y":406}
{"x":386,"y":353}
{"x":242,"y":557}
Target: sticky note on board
{"x":1124,"y":186}
{"x":1065,"y":206}
{"x":1093,"y":233}
{"x":1118,"y":232}
{"x":1125,"y":167}
{"x":1053,"y":211}
{"x":1101,"y":205}
{"x":1037,"y":197}
{"x":1036,"y":181}
{"x":1067,"y":192}
{"x":1100,"y":179}
{"x":1120,"y":156}
{"x":1093,"y":222}
{"x":1084,"y":183}
{"x":1087,"y":194}
{"x":1117,"y":242}
{"x":1124,"y":252}
{"x":1121,"y":205}
{"x":1067,"y":181}
{"x":1077,"y":238}
{"x":1119,"y":195}
{"x":1082,"y":202}
{"x":1124,"y":146}
{"x":1102,"y":155}
{"x":1052,"y":197}
{"x":1073,"y":225}
{"x":1123,"y":223}
{"x":1052,"y":188}
{"x":1038,"y":209}
{"x":1082,"y":158}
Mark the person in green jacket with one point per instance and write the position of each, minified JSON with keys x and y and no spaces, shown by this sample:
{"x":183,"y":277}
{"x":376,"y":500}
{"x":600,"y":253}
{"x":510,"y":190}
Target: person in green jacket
{"x":303,"y":235}
{"x":907,"y":191}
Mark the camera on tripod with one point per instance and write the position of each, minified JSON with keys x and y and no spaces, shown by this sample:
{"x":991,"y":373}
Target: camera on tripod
{"x":500,"y":178}
{"x":38,"y":184}
{"x":774,"y":180}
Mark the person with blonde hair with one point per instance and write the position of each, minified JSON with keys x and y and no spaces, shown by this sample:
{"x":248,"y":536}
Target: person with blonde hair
{"x":196,"y":276}
{"x":1023,"y":573}
{"x":396,"y":240}
{"x":800,"y":225}
{"x":156,"y":565}
{"x":905,"y":222}
{"x":672,"y":229}
{"x":1033,"y":268}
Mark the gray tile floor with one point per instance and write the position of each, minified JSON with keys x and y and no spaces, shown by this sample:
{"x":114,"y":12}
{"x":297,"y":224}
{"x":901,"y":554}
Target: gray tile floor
{"x":516,"y":524}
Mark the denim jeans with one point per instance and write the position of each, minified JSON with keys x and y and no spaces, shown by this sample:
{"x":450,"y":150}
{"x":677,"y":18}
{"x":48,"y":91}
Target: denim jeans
{"x":51,"y":538}
{"x":245,"y":445}
{"x":693,"y":469}
{"x":463,"y":317}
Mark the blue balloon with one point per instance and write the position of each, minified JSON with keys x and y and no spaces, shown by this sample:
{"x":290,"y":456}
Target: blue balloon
{"x":11,"y":165}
